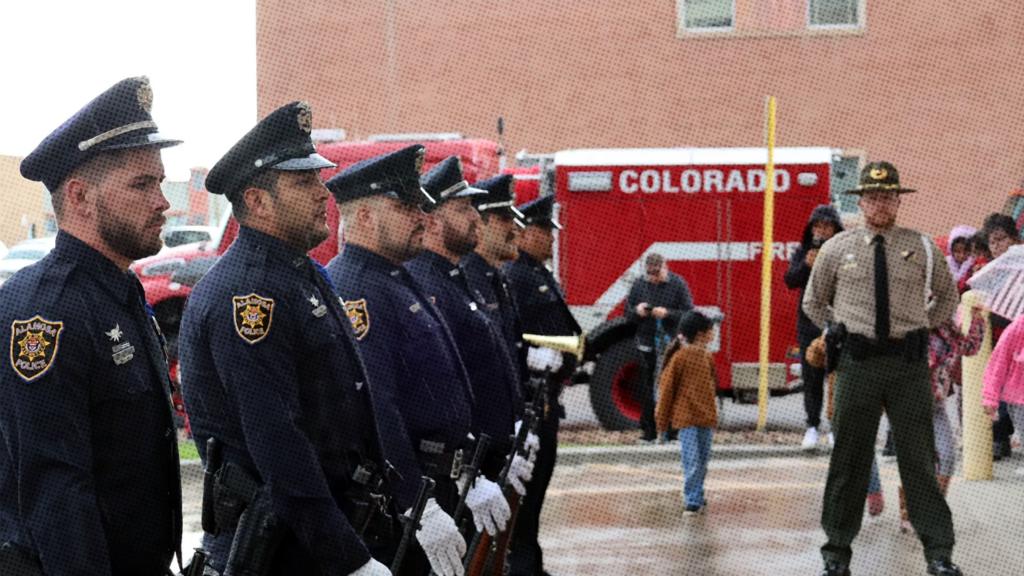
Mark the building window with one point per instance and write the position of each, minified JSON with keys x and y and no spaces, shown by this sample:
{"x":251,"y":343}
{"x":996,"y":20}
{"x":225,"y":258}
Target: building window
{"x":708,"y":14}
{"x":845,"y":176}
{"x":833,"y":13}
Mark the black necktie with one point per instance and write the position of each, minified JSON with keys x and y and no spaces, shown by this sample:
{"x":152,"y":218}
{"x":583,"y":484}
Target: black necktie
{"x":881,"y":291}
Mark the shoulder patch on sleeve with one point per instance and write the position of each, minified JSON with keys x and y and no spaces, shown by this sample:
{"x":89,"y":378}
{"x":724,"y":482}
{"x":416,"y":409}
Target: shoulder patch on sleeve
{"x":34,"y":344}
{"x":359,"y":316}
{"x":253,"y":315}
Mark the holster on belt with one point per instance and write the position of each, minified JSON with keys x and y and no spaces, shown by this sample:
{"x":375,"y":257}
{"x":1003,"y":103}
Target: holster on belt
{"x":235,"y":501}
{"x":912,"y":347}
{"x":437,"y":463}
{"x":835,"y":337}
{"x":17,"y":561}
{"x":370,"y":495}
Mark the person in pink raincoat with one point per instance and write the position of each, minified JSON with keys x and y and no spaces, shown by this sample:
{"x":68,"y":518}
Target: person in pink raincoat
{"x":947,"y":344}
{"x":1004,"y":376}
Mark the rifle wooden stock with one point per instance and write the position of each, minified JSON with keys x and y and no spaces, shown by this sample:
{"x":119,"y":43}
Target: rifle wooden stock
{"x":487,"y":554}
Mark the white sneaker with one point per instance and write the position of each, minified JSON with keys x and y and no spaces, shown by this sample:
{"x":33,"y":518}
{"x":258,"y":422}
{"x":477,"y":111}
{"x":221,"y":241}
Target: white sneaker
{"x":810,"y":439}
{"x":831,"y":440}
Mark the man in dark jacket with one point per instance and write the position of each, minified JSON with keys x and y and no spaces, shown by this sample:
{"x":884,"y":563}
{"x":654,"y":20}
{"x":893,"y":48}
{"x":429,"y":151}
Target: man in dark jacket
{"x":823,"y":225}
{"x":655,"y":303}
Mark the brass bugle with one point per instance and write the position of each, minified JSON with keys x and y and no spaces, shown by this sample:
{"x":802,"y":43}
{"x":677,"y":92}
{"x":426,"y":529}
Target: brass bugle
{"x":571,"y":344}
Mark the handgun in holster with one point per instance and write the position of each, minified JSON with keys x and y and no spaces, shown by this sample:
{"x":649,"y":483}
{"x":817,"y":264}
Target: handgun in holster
{"x":835,"y":338}
{"x":235,"y":501}
{"x":17,"y":561}
{"x":370,"y":496}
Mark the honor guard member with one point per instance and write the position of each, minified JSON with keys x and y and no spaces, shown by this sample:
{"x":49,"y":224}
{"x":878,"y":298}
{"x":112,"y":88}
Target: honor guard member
{"x":92,"y":485}
{"x":484,"y":267}
{"x":272,"y":373}
{"x":423,"y":393}
{"x":451,"y":233}
{"x":543,"y":311}
{"x":886,"y":286}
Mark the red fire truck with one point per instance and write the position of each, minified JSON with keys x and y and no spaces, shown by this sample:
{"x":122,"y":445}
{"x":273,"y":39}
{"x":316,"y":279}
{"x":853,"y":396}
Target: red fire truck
{"x":700,"y":208}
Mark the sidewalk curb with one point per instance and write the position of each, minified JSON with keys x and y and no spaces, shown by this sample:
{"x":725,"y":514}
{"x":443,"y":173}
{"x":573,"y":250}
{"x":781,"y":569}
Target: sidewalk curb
{"x":639,"y":455}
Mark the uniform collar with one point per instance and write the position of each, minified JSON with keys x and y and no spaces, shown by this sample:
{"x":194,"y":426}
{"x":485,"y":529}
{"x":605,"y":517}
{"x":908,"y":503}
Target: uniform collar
{"x":102,"y":269}
{"x":474,"y":261}
{"x":370,"y":259}
{"x":869,"y":235}
{"x":525,"y":257}
{"x":274,"y":247}
{"x":440,"y":263}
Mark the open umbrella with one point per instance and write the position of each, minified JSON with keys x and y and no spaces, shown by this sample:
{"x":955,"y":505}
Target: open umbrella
{"x":1001,"y":283}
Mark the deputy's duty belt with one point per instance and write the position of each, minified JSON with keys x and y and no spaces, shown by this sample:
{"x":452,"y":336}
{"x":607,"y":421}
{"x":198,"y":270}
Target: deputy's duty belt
{"x":437,"y":463}
{"x":913,"y":346}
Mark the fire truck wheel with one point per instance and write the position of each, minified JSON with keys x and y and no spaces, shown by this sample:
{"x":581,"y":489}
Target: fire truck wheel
{"x":613,"y":386}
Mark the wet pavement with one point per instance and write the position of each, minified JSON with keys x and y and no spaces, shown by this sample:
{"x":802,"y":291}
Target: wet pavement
{"x":619,"y":511}
{"x":763,"y":518}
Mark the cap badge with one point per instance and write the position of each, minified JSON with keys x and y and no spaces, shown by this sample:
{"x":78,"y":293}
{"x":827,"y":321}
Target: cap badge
{"x":879,"y":173}
{"x":145,"y":95}
{"x":421,"y":157}
{"x":305,"y":117}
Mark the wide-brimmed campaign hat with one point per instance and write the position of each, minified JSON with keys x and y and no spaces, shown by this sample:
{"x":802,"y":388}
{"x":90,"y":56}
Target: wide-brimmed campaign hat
{"x":879,"y":176}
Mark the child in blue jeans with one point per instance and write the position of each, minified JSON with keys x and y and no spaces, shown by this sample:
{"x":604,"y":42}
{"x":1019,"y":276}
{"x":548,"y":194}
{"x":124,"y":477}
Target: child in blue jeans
{"x":686,"y":401}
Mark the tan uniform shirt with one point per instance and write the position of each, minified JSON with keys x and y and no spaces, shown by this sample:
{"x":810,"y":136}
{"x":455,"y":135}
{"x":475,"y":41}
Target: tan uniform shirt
{"x":842,"y":284}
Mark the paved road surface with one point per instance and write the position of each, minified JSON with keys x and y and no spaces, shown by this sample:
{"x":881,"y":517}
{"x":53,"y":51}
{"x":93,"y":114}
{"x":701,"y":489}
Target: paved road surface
{"x":763,"y":518}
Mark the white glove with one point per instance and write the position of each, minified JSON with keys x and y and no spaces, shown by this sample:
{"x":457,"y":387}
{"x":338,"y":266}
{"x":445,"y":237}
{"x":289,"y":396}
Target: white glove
{"x":519,"y":473}
{"x":532,"y":442}
{"x":490,"y":509}
{"x":372,"y":568}
{"x":441,"y":541}
{"x":541,"y":359}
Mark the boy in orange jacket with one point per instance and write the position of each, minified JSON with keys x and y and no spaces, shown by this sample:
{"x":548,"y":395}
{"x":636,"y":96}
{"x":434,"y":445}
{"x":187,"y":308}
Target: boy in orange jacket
{"x":686,"y":401}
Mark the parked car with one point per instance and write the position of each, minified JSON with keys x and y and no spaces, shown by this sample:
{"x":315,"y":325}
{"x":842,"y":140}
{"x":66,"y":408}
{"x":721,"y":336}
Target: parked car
{"x":179,"y":235}
{"x":23,"y":254}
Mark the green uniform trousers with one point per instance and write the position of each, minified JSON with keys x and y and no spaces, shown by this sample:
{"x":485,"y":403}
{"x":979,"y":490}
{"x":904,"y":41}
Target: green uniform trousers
{"x":904,"y":389}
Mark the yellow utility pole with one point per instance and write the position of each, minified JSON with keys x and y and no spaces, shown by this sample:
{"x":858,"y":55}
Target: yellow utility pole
{"x":977,"y":428}
{"x":766,"y":270}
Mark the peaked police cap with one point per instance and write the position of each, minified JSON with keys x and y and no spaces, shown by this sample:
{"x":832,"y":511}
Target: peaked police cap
{"x":446,"y":181}
{"x":540,"y":212}
{"x":396,"y":174}
{"x":281,"y":141}
{"x":500,"y":198}
{"x":115,"y":120}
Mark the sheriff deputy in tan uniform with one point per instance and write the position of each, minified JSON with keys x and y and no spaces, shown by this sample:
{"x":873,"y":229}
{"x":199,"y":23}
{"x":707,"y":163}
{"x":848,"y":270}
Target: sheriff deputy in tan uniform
{"x":887,"y":286}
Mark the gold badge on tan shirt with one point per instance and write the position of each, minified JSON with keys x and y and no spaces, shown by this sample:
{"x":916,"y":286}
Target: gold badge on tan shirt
{"x":909,"y":255}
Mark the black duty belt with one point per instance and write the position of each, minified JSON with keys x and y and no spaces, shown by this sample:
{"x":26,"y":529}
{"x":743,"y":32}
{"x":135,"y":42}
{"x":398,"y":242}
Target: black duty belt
{"x":913,"y":346}
{"x":437,"y":463}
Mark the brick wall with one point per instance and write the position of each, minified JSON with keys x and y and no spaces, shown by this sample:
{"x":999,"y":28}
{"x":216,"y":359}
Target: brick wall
{"x":934,"y":87}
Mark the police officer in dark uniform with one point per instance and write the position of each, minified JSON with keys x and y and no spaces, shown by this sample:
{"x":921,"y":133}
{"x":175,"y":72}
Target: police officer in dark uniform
{"x":451,"y":233}
{"x":421,"y":384}
{"x":543,"y":311}
{"x":484,"y":267}
{"x":90,"y":481}
{"x":271,"y":368}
